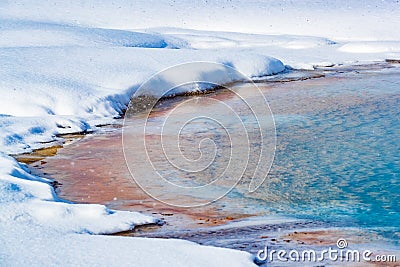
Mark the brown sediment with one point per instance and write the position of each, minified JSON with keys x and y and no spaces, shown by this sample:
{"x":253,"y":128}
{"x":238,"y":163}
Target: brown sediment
{"x":49,"y":151}
{"x":93,"y":170}
{"x":38,"y":155}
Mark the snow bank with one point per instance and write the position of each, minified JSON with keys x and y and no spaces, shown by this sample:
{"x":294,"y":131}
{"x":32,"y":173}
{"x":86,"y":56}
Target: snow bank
{"x":79,"y":87}
{"x":214,"y":40}
{"x":22,"y":33}
{"x":24,"y":134}
{"x":38,"y":246}
{"x":30,"y":199}
{"x":296,"y":51}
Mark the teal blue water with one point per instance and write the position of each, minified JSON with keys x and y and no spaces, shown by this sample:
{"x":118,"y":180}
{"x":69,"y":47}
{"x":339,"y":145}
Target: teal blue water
{"x":338,"y":153}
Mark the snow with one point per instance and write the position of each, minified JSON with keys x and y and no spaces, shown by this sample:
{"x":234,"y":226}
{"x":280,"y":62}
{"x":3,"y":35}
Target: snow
{"x":41,"y":246}
{"x":342,"y":20}
{"x":67,"y":66}
{"x":21,"y":133}
{"x":371,"y":47}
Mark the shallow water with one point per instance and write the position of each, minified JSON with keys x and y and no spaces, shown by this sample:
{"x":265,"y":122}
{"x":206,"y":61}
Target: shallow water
{"x":337,"y":159}
{"x":338,"y":156}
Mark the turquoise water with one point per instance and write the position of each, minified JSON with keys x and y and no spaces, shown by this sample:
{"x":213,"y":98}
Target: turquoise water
{"x":338,"y":153}
{"x":337,"y":156}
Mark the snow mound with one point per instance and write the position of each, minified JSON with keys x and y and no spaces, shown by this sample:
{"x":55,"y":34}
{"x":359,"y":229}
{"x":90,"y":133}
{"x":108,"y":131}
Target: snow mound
{"x":31,"y":200}
{"x":47,"y":247}
{"x":215,"y":40}
{"x":41,"y":34}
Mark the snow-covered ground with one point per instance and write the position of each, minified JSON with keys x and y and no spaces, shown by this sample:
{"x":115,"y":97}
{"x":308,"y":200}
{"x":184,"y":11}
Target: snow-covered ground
{"x":67,"y":66}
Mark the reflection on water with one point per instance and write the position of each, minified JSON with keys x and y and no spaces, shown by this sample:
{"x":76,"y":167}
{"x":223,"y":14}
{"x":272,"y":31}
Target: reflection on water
{"x":337,"y":157}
